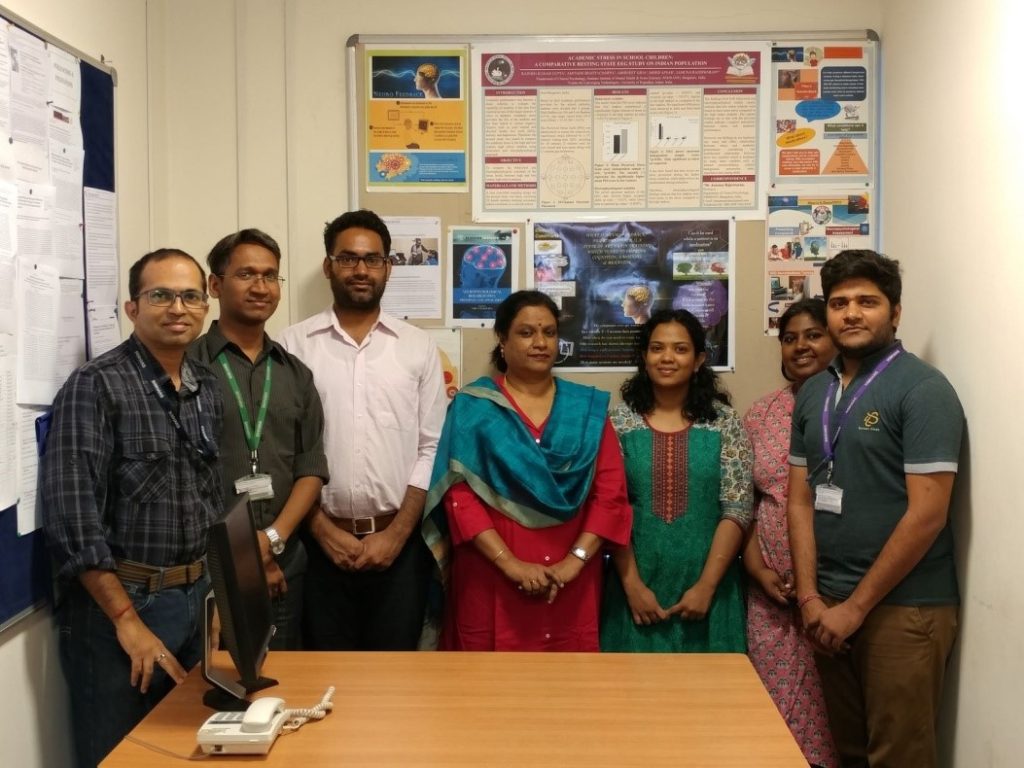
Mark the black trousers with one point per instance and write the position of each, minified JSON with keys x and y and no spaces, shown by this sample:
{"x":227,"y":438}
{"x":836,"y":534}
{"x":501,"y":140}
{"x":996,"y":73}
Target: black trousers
{"x":367,"y":610}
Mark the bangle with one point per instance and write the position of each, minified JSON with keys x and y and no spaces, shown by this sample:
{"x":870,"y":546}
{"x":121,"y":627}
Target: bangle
{"x":807,"y":598}
{"x":121,"y":613}
{"x":500,"y":553}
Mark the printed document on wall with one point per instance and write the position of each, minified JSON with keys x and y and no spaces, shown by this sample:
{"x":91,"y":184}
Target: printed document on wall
{"x":101,"y":272}
{"x":8,"y":436}
{"x":8,"y":248}
{"x":38,"y":302}
{"x":414,"y":288}
{"x":29,"y":518}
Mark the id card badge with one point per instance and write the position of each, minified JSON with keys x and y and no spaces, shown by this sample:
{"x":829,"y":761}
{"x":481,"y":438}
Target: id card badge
{"x":258,"y":486}
{"x":829,"y":498}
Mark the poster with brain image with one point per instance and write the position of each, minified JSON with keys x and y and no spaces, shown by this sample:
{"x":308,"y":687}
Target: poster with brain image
{"x":481,"y":273}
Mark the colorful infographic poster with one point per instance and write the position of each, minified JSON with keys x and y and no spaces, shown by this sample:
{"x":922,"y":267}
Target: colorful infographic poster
{"x":416,"y":120}
{"x":609,"y":277}
{"x":803,"y":233}
{"x":824,"y":118}
{"x":481,"y":273}
{"x":612,"y":128}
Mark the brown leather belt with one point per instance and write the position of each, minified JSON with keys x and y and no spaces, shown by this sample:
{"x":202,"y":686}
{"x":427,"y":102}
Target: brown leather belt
{"x":363,"y":526}
{"x":154,"y":579}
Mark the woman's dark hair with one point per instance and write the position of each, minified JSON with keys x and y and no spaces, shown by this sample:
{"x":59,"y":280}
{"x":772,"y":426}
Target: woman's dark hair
{"x":813,"y":307}
{"x":705,"y":387}
{"x":869,"y":265}
{"x":506,"y":313}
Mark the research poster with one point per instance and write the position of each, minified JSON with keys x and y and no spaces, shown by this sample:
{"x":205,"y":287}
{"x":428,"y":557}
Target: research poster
{"x":609,"y":277}
{"x":416,"y":120}
{"x":803,"y":232}
{"x":610,"y":127}
{"x":823,"y":113}
{"x":482,"y":273}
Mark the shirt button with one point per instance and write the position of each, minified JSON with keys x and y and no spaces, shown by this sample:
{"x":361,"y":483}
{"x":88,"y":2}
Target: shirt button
{"x":547,"y":635}
{"x":537,"y":440}
{"x":547,"y":559}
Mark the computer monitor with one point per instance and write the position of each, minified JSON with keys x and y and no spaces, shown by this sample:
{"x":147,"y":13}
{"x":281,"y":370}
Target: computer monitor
{"x":239,"y":590}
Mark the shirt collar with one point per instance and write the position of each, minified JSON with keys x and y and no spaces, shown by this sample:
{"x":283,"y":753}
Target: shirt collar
{"x":866,"y":365}
{"x":189,"y":376}
{"x":217,"y":342}
{"x":327,"y":320}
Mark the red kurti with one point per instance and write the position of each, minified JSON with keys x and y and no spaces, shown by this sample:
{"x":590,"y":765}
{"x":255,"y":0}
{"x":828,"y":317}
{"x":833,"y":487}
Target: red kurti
{"x":484,"y":610}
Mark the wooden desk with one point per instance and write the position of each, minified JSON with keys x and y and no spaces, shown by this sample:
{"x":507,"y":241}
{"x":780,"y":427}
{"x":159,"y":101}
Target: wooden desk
{"x":500,"y":709}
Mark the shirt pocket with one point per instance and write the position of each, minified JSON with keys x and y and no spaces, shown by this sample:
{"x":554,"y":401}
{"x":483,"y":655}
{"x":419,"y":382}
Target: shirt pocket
{"x":146,"y":468}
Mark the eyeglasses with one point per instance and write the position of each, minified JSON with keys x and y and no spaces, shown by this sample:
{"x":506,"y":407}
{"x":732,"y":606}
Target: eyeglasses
{"x":165,"y":297}
{"x":245,"y":276}
{"x":349,"y":260}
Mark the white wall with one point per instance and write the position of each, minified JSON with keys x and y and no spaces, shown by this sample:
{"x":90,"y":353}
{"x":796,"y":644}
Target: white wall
{"x":953,"y":166}
{"x":33,"y":714}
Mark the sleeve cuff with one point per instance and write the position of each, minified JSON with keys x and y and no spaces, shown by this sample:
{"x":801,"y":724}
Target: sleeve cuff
{"x":311,"y":465}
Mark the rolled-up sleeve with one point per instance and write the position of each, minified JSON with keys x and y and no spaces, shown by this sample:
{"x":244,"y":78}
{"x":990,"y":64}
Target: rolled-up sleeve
{"x":736,"y":496}
{"x":310,"y":459}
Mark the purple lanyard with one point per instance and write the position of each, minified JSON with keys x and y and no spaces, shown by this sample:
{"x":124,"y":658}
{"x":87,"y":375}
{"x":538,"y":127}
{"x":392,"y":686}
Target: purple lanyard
{"x":828,"y":438}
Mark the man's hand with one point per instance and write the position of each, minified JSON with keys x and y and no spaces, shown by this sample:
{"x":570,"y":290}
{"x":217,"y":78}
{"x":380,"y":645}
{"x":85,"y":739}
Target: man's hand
{"x":265,"y":553}
{"x":836,"y":624}
{"x":695,"y":602}
{"x":379,"y":550}
{"x":341,"y":547}
{"x":146,"y":651}
{"x":644,"y":605}
{"x":276,"y":583}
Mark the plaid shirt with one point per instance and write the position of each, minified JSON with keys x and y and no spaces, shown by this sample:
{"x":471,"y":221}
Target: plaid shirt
{"x":118,"y":480}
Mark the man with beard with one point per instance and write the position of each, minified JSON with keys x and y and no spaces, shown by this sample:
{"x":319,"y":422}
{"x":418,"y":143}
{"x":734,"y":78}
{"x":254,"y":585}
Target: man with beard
{"x":272,"y":441}
{"x":875,"y":446}
{"x":384,"y":404}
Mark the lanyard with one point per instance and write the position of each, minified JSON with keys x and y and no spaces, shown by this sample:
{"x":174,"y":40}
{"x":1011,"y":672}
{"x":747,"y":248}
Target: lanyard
{"x":829,"y":438}
{"x":206,"y":447}
{"x":253,"y":432}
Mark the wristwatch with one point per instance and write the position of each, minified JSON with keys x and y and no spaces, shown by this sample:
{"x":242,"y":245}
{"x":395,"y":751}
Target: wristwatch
{"x":581,"y":553}
{"x":276,"y":542}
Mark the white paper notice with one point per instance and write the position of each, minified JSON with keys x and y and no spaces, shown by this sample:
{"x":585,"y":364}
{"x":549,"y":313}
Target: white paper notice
{"x":101,"y":272}
{"x":8,"y":436}
{"x":35,"y":223}
{"x":28,"y":469}
{"x":30,"y":67}
{"x":5,"y":83}
{"x":71,"y":330}
{"x":414,"y":288}
{"x":104,"y":329}
{"x":8,"y":246}
{"x":66,"y":164}
{"x":38,"y":301}
{"x":65,"y":80}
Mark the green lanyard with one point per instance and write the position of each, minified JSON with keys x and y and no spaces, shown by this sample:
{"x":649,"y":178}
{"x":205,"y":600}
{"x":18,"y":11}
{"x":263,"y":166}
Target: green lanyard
{"x":252,"y":433}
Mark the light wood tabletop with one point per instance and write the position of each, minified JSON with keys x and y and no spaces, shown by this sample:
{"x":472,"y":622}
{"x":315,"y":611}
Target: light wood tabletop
{"x":498,"y":709}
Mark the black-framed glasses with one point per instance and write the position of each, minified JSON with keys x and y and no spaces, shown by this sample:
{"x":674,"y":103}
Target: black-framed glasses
{"x":247,"y":277}
{"x":165,"y":297}
{"x":350,"y":260}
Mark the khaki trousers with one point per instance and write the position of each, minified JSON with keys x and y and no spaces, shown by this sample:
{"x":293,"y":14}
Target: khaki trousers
{"x":883,"y":694}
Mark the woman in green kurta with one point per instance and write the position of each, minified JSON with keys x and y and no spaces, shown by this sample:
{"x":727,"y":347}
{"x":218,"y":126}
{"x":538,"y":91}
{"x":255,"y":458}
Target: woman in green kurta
{"x":676,"y":586}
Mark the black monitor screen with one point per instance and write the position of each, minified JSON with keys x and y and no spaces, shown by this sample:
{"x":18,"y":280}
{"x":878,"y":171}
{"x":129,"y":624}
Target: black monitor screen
{"x":239,"y":587}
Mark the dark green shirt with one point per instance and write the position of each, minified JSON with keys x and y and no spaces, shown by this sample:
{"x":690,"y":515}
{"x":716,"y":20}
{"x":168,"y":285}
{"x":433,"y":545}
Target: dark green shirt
{"x":291,"y":445}
{"x":909,"y":421}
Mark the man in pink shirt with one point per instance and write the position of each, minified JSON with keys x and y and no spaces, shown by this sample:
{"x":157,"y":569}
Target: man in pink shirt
{"x":384,"y":403}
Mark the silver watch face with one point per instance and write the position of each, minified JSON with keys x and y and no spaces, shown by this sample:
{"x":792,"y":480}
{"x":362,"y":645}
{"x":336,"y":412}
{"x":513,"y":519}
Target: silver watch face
{"x":276,"y":542}
{"x":581,"y":553}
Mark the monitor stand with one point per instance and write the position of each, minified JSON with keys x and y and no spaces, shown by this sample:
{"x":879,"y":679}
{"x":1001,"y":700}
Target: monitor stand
{"x":226,"y":695}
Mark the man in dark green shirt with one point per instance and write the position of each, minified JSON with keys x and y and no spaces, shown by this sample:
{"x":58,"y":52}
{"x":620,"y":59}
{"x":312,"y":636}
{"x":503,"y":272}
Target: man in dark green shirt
{"x":272,"y":442}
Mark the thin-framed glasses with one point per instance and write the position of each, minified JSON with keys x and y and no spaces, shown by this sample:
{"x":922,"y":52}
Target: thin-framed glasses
{"x":165,"y":297}
{"x":350,"y":260}
{"x":247,"y":277}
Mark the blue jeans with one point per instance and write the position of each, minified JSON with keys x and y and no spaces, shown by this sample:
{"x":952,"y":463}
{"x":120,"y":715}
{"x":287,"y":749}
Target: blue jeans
{"x":104,"y":705}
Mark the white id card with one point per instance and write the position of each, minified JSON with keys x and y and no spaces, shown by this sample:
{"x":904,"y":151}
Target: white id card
{"x":259,"y":486}
{"x":829,"y":498}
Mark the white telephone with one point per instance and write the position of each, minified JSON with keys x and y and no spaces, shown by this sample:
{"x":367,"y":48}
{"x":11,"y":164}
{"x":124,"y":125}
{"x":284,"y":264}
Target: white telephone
{"x":247,"y":733}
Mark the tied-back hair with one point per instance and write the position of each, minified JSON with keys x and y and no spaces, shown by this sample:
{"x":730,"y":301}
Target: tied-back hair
{"x":813,"y":308}
{"x":705,"y":387}
{"x":506,"y":313}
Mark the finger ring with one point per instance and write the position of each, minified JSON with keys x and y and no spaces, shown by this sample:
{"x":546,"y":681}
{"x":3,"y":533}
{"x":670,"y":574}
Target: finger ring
{"x":161,"y":657}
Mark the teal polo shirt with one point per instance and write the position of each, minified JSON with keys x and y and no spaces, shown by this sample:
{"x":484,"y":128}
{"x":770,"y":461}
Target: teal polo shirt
{"x":908,"y":421}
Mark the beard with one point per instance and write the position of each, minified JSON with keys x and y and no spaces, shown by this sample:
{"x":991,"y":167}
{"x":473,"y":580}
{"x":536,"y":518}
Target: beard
{"x":860,"y":351}
{"x":347,"y":298}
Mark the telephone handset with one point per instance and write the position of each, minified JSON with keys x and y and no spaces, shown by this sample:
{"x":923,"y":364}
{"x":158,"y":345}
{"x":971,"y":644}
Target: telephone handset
{"x":251,"y":732}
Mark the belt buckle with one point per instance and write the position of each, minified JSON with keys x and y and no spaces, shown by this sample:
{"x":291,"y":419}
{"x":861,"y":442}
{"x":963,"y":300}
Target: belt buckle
{"x":157,"y":579}
{"x":357,"y":527}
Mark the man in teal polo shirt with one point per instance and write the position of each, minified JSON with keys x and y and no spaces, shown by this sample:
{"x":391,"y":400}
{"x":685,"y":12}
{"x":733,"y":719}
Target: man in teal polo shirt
{"x":875,"y":446}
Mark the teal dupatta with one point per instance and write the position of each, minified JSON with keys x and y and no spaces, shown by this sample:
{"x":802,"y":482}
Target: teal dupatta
{"x":485,"y":444}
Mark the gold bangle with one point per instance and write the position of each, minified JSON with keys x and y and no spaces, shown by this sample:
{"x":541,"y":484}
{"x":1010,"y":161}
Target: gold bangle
{"x":500,"y":553}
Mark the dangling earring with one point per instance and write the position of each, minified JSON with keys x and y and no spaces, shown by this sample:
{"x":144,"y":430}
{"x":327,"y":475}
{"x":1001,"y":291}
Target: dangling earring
{"x":501,"y":351}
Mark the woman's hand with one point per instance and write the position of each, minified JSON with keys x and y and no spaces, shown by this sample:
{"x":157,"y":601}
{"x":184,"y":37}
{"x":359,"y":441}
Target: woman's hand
{"x":562,"y":572}
{"x":644,"y":605}
{"x":531,"y":578}
{"x":773,"y":585}
{"x":695,"y":602}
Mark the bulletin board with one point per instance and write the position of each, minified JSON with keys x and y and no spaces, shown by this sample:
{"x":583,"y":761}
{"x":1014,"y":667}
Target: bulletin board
{"x":456,"y":128}
{"x":25,"y":573}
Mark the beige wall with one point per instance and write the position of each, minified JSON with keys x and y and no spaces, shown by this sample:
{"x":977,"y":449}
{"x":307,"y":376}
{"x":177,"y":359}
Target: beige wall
{"x":951,"y":181}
